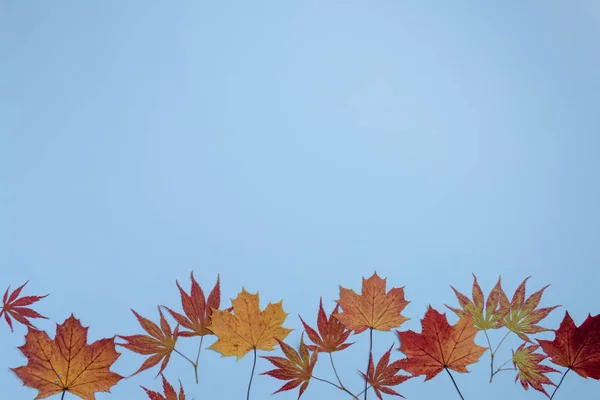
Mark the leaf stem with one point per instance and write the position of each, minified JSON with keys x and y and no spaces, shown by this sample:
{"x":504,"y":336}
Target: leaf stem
{"x":197,"y":358}
{"x":63,"y":395}
{"x":507,"y":333}
{"x":453,"y":381}
{"x":337,"y":386}
{"x":334,"y":370}
{"x":368,"y":362}
{"x":559,"y":383}
{"x":251,"y":375}
{"x":503,"y":369}
{"x":491,"y":355}
{"x":183,"y":355}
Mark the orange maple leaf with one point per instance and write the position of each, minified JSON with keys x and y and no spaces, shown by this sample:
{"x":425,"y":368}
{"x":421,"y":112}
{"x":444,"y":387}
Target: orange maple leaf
{"x":296,"y":367}
{"x":332,"y":332}
{"x":197,"y":309}
{"x":531,"y":372}
{"x":494,"y":314}
{"x":68,"y":363}
{"x":576,"y":347}
{"x":523,"y":316}
{"x":160,"y":342}
{"x":439,"y":346}
{"x":373,"y":308}
{"x":384,"y":375}
{"x":246,"y":327}
{"x":170,"y":393}
{"x":12,"y":306}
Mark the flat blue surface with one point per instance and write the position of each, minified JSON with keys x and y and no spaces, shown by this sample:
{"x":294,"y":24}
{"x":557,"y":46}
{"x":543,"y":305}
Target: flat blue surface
{"x":293,"y":147}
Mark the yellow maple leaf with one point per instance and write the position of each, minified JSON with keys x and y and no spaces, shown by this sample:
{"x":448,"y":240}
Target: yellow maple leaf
{"x":246,"y":327}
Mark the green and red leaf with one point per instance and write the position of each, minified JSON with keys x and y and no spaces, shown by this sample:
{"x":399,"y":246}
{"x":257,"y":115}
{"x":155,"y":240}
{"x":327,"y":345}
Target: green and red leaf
{"x":523,"y":315}
{"x":531,"y":372}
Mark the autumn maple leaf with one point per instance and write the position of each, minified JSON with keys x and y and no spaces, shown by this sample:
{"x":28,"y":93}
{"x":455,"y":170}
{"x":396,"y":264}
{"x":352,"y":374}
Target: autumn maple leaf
{"x":523,"y":316}
{"x":16,"y":308}
{"x":332,"y":333}
{"x":439,"y":345}
{"x":531,"y":372}
{"x":384,"y":375}
{"x":374,"y":308}
{"x":494,"y":314}
{"x":246,"y":327}
{"x":170,"y":393}
{"x":160,"y":342}
{"x":68,"y":363}
{"x":197,"y":309}
{"x":577,"y":348}
{"x":296,"y":367}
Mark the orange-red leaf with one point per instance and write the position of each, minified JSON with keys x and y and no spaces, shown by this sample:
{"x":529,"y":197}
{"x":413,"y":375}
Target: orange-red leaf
{"x":374,"y":308}
{"x":494,"y":313}
{"x":384,"y":375}
{"x":523,"y":316}
{"x":332,"y":333}
{"x":170,"y":393}
{"x":67,"y":363}
{"x":159,"y":343}
{"x":295,"y":367}
{"x":531,"y":372}
{"x":197,"y":309}
{"x":14,"y":307}
{"x":439,"y":345}
{"x":577,"y":348}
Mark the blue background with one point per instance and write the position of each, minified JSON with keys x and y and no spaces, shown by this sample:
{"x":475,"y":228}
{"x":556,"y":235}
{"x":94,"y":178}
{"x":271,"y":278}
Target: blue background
{"x":293,"y":147}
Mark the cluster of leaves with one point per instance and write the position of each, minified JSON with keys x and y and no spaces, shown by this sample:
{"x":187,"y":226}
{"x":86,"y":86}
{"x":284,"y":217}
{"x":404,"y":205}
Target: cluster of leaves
{"x":68,"y":364}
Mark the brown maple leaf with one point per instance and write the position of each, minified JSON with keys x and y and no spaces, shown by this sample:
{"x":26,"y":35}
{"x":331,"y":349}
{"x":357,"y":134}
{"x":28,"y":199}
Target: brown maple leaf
{"x":197,"y":309}
{"x":332,"y":332}
{"x":12,"y":306}
{"x":577,"y":348}
{"x":374,"y":308}
{"x":384,"y":375}
{"x":531,"y":372}
{"x":160,"y":342}
{"x":494,"y":314}
{"x":170,"y":393}
{"x":439,"y":345}
{"x":68,"y":363}
{"x":296,"y":367}
{"x":246,"y":327}
{"x":523,"y":316}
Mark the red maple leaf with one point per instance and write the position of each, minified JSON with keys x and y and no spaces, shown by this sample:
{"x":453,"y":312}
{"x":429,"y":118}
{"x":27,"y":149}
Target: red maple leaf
{"x":160,"y":342}
{"x":332,"y":333}
{"x":577,"y":348}
{"x":67,"y":363}
{"x":170,"y":393}
{"x":439,"y":345}
{"x":384,"y":375}
{"x":197,"y":309}
{"x":531,"y":372}
{"x":16,"y":308}
{"x":296,"y":367}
